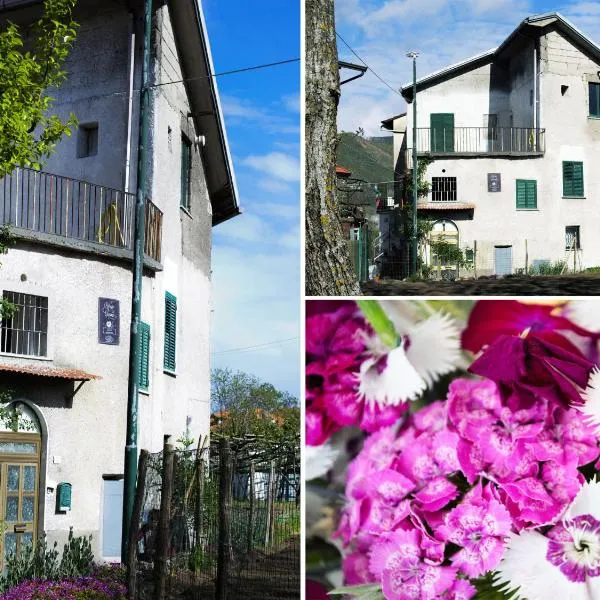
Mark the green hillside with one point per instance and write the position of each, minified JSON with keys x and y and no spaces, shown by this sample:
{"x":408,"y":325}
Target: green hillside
{"x":370,"y":159}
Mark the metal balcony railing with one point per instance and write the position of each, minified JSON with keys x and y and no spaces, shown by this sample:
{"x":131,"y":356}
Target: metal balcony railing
{"x":481,"y":140}
{"x":70,"y":208}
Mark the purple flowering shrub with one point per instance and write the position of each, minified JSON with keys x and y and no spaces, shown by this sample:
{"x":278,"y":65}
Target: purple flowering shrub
{"x":436,"y":496}
{"x":82,"y":588}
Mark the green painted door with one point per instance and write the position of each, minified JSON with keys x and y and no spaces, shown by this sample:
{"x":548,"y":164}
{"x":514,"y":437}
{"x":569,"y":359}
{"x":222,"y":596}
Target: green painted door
{"x":442,"y":132}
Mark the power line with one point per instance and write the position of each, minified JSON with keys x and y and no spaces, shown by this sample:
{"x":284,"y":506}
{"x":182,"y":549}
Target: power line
{"x":232,"y":72}
{"x":209,"y":76}
{"x":258,"y":346}
{"x":366,"y":65}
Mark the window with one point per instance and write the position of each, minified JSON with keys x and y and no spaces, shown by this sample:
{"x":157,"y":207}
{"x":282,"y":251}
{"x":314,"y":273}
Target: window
{"x":572,"y":179}
{"x":26,"y":330}
{"x":144,"y":355}
{"x":564,"y":89}
{"x":526,"y":193}
{"x":87,"y":140}
{"x":572,"y":241}
{"x":186,"y":171}
{"x":594,"y":98}
{"x":443,"y":189}
{"x":170,"y":331}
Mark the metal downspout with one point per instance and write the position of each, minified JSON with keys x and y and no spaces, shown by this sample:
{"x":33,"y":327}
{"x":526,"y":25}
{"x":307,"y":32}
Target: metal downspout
{"x":136,"y":302}
{"x":130,"y":100}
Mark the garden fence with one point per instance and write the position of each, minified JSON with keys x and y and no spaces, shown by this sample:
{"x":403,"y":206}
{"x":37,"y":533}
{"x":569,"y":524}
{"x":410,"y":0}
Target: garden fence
{"x":217,"y":522}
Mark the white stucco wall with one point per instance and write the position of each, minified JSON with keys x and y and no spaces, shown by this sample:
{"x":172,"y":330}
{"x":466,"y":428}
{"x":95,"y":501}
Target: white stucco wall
{"x":570,"y":134}
{"x":86,"y":437}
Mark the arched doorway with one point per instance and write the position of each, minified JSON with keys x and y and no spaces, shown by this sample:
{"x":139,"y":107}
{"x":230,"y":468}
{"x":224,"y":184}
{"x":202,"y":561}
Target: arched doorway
{"x":446,"y":232}
{"x":20,"y":463}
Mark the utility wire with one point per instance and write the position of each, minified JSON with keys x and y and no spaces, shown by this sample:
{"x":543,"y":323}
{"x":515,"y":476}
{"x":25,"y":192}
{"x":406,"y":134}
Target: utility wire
{"x":157,"y":85}
{"x":232,"y":72}
{"x":368,"y":67}
{"x":257,"y":347}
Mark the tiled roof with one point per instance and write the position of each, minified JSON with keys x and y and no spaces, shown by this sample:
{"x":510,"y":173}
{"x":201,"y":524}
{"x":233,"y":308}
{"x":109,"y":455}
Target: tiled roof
{"x":46,"y":371}
{"x":339,"y":170}
{"x":444,"y":206}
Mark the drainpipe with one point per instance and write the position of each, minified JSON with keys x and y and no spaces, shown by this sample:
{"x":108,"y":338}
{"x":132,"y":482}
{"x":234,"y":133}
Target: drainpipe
{"x":130,"y":99}
{"x":535,"y":84}
{"x":136,"y":300}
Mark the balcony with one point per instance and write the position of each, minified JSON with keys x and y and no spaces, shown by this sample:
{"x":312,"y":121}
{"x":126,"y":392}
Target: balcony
{"x":60,"y":209}
{"x":480,"y":141}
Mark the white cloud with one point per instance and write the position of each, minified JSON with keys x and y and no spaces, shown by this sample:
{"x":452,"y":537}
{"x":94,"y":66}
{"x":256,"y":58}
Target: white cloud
{"x":257,"y":228}
{"x":277,"y":164}
{"x":275,"y":187}
{"x":242,"y":112}
{"x":277,"y":209}
{"x":257,"y":300}
{"x":291,"y":102}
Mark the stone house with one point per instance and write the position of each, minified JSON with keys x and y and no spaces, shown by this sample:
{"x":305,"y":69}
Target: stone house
{"x":64,"y":354}
{"x":512,"y":135}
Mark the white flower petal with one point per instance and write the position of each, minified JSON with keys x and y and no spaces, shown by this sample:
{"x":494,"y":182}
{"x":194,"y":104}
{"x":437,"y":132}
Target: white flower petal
{"x":585,"y":313}
{"x":587,"y":501}
{"x":397,"y":383}
{"x":591,"y":396}
{"x":524,"y":566}
{"x":434,"y":346}
{"x":318,"y":460}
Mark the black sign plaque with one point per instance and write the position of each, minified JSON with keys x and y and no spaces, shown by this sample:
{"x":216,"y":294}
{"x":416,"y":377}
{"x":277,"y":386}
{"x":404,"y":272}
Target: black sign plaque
{"x":494,"y":182}
{"x":108,"y":321}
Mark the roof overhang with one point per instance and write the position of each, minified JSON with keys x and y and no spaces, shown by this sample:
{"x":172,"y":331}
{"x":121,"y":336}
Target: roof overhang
{"x":526,"y":27}
{"x":389,"y":122}
{"x":191,"y":38}
{"x":51,"y":372}
{"x":445,"y":206}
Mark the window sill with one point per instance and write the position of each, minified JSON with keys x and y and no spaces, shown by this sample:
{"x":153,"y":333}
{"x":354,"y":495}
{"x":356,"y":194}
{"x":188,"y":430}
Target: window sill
{"x":574,"y":197}
{"x":594,"y":117}
{"x":28,"y":356}
{"x":186,"y":211}
{"x":144,"y":391}
{"x":170,"y":373}
{"x":529,"y":209}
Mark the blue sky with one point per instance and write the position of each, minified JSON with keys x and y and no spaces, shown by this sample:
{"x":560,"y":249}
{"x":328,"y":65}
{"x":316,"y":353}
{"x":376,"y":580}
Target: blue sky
{"x":442,"y":31}
{"x":256,"y":256}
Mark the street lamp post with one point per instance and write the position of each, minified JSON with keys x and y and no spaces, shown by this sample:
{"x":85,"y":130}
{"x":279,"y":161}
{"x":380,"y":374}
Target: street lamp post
{"x":413,"y":262}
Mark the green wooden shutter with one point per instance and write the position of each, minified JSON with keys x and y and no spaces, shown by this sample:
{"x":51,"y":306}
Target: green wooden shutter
{"x":526,"y":193}
{"x":170,"y":331}
{"x":572,"y":179}
{"x":144,"y":355}
{"x":442,"y":132}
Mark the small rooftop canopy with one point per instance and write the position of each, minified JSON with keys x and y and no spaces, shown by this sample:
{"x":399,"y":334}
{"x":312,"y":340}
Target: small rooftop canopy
{"x":48,"y":371}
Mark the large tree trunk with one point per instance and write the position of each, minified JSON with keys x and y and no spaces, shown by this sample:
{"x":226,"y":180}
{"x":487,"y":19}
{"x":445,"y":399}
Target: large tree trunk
{"x":329,"y":270}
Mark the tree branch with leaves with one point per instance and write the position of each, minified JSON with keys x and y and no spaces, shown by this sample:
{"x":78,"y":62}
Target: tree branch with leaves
{"x":28,"y":72}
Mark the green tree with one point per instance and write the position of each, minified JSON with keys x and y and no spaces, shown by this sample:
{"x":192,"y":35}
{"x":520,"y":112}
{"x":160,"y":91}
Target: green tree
{"x":28,"y":73}
{"x":243,"y":405}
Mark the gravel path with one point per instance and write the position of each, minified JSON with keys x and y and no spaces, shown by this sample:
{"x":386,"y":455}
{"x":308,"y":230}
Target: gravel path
{"x":564,"y":285}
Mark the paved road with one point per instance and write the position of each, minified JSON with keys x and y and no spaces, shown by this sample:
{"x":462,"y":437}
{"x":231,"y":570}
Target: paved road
{"x":565,"y":285}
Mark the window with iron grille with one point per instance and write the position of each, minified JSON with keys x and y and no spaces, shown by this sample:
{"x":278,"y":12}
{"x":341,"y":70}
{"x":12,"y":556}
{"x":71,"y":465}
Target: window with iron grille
{"x":25,"y":331}
{"x":443,"y":189}
{"x":572,"y":241}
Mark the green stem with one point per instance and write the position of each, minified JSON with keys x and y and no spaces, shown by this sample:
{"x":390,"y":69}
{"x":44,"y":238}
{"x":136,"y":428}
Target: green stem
{"x":380,"y":322}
